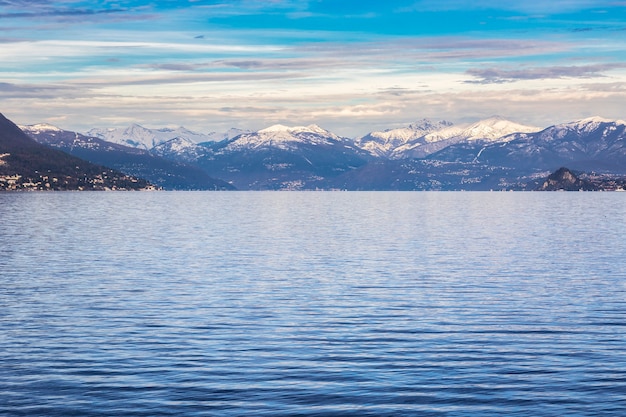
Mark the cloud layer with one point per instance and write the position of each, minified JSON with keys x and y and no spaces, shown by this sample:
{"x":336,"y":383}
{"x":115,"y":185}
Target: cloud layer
{"x":352,"y":66}
{"x":499,"y":75}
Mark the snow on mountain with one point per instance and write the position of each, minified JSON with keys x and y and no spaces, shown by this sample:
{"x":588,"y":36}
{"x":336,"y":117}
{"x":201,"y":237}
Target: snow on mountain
{"x":179,"y":149}
{"x":282,"y":157}
{"x":584,"y":127}
{"x":592,"y":144}
{"x":488,"y":130}
{"x":178,"y":144}
{"x":56,"y":137}
{"x":591,"y":128}
{"x":229,"y":134}
{"x":40,"y":128}
{"x":592,"y":123}
{"x":383,"y":143}
{"x":283,"y":137}
{"x":494,"y":129}
{"x":138,"y":136}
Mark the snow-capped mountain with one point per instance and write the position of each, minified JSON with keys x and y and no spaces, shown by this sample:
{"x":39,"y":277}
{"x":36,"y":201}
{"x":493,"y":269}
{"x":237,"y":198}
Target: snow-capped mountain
{"x":383,"y":143}
{"x":588,"y":144}
{"x":490,"y":154}
{"x":594,"y":128}
{"x":40,"y":127}
{"x":64,"y":139}
{"x":130,"y":160}
{"x":180,"y":149}
{"x":488,"y":130}
{"x":592,"y":143}
{"x":229,"y":134}
{"x":283,"y":137}
{"x":282,"y":157}
{"x":26,"y":164}
{"x":494,"y":129}
{"x":141,"y":137}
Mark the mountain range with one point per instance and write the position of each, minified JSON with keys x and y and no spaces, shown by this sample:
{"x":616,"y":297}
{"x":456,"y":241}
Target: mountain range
{"x":136,"y":160}
{"x":141,"y":137}
{"x":28,"y":165}
{"x":425,"y":137}
{"x":494,"y":153}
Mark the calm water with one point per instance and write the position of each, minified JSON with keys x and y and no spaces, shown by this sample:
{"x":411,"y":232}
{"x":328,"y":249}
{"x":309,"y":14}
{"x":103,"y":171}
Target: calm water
{"x":313,"y":304}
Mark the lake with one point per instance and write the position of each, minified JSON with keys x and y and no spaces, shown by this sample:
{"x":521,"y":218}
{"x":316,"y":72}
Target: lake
{"x":312,"y":304}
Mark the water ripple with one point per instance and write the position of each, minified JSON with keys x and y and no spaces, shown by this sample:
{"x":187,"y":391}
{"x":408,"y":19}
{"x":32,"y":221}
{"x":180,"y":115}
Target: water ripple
{"x":313,"y":304}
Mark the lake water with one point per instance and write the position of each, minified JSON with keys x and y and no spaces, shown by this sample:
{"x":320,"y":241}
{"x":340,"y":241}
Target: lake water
{"x":312,"y":304}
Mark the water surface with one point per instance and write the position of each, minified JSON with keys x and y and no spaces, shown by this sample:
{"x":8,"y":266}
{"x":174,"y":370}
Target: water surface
{"x":313,"y":304}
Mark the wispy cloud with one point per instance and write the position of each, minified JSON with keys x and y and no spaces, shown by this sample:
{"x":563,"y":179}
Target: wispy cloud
{"x":56,"y":16}
{"x":354,"y":64}
{"x":499,"y":75}
{"x":37,"y":9}
{"x":8,"y":89}
{"x":59,"y":13}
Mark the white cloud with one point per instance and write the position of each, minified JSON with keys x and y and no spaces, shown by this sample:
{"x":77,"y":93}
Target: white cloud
{"x":50,"y":49}
{"x":350,"y":106}
{"x":505,"y":75}
{"x":253,"y":78}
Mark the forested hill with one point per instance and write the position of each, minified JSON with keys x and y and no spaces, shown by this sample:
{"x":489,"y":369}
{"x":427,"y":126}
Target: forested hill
{"x":28,"y":165}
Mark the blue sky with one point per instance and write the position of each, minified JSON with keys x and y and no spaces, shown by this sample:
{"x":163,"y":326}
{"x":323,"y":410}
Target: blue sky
{"x":350,"y":66}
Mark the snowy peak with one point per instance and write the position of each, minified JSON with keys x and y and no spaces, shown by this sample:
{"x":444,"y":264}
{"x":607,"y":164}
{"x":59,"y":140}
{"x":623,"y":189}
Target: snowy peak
{"x":491,"y":130}
{"x":589,"y":144}
{"x":598,"y":120}
{"x":275,"y":129}
{"x":179,"y":149}
{"x":425,"y":137}
{"x":135,"y":136}
{"x":427,"y":125}
{"x":40,"y":128}
{"x":282,"y":129}
{"x":229,"y":134}
{"x":183,"y":133}
{"x":488,"y":130}
{"x":284,"y":137}
{"x":177,"y":143}
{"x":414,"y":130}
{"x":494,"y":128}
{"x":382,"y":143}
{"x":316,"y":129}
{"x":590,"y":124}
{"x":591,"y":128}
{"x":141,"y":137}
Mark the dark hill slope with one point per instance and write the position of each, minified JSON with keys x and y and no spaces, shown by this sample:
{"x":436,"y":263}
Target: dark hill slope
{"x":26,"y":164}
{"x":169,"y":175}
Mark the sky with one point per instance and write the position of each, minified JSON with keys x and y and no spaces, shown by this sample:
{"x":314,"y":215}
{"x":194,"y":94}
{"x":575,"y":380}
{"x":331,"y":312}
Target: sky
{"x":349,"y":66}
